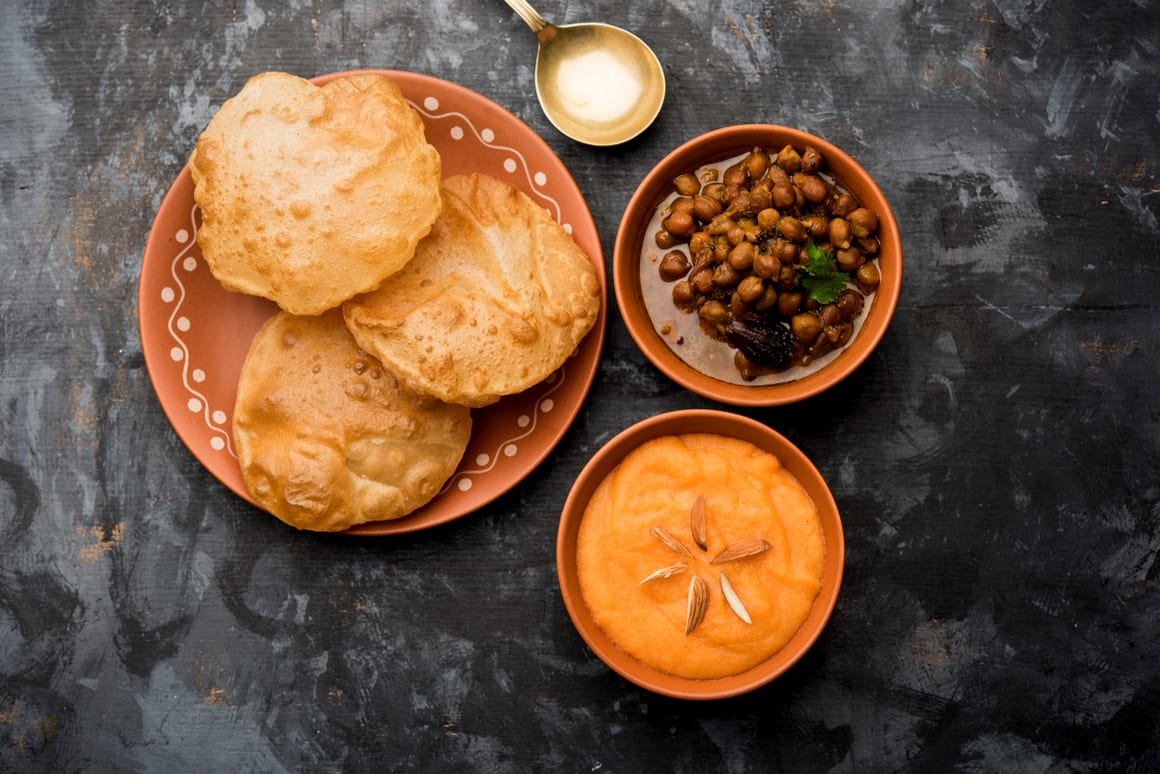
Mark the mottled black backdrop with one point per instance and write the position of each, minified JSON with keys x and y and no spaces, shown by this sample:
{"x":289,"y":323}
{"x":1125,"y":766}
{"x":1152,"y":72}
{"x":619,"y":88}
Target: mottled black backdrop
{"x":997,"y":461}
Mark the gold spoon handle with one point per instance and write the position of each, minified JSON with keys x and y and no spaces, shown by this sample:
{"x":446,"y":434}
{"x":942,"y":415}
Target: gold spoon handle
{"x":530,"y":16}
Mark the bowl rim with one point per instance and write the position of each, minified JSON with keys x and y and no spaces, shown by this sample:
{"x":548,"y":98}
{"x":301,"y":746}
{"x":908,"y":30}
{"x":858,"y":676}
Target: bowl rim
{"x":730,"y":141}
{"x":722,"y":423}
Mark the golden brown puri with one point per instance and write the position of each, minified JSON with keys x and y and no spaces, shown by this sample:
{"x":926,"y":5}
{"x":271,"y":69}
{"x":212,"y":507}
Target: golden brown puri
{"x":327,"y":439}
{"x":497,"y":297}
{"x":311,"y":194}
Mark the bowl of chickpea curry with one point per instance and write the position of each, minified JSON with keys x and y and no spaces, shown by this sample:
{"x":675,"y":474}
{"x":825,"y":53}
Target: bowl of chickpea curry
{"x":757,"y":265}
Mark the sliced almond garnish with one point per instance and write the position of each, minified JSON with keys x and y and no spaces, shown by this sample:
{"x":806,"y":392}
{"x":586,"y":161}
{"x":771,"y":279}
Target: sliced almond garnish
{"x":698,"y":603}
{"x":697,"y":523}
{"x":667,"y":538}
{"x":741,"y":549}
{"x":733,"y":600}
{"x":666,"y":572}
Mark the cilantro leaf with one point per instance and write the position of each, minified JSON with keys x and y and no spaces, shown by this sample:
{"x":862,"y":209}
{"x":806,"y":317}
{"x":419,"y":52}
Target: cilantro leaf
{"x":819,"y":276}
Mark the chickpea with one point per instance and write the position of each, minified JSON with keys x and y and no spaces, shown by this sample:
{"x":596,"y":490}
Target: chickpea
{"x":683,"y":295}
{"x":830,"y":314}
{"x":789,"y":159}
{"x":839,"y":233}
{"x":687,"y":184}
{"x":705,"y":208}
{"x":714,"y":191}
{"x":674,"y":265}
{"x":789,"y":303}
{"x":850,"y":303}
{"x":863,"y":221}
{"x":760,"y":199}
{"x":786,"y":252}
{"x":768,"y":299}
{"x":766,"y":266}
{"x":721,"y":224}
{"x":805,"y":326}
{"x":700,"y":242}
{"x":767,"y":219}
{"x":741,"y":204}
{"x":783,"y":195}
{"x":721,"y":250}
{"x":725,"y":276}
{"x":741,"y":257}
{"x":791,"y":229}
{"x":756,"y":163}
{"x":680,"y":225}
{"x":776,"y":175}
{"x":714,"y":312}
{"x":817,"y":226}
{"x":664,"y":240}
{"x":849,"y":259}
{"x":735,"y":176}
{"x":751,"y":289}
{"x":737,"y":306}
{"x":867,"y":277}
{"x":867,"y":244}
{"x":702,"y":281}
{"x":842,"y":205}
{"x":682,"y":204}
{"x":811,"y":160}
{"x":737,"y":234}
{"x":812,"y":187}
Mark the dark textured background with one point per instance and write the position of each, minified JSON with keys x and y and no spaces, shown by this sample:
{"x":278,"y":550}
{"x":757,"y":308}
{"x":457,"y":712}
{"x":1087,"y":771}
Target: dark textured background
{"x":997,"y":461}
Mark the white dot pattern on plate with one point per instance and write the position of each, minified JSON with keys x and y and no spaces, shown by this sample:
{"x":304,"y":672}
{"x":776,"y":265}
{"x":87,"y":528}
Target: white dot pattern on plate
{"x":180,"y":324}
{"x":541,"y":178}
{"x":464,"y":484}
{"x":511,"y":450}
{"x":431,"y":103}
{"x":482,"y":459}
{"x":547,"y":405}
{"x":509,"y":165}
{"x":456,"y":133}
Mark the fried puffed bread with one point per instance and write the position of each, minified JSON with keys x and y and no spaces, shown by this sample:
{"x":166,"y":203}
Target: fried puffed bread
{"x":312,"y":194}
{"x":497,"y":297}
{"x":327,"y":439}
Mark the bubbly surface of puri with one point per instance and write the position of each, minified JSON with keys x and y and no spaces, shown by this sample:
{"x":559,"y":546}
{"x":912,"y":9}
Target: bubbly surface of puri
{"x":312,"y":194}
{"x":650,"y":566}
{"x":496,"y":298}
{"x":327,"y":439}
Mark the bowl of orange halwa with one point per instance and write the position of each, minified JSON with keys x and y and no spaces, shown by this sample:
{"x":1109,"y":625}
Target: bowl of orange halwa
{"x":700,"y":554}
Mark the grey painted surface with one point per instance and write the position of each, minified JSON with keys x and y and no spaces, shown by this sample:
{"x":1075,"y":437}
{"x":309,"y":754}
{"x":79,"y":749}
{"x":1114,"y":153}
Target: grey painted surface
{"x":997,"y":461}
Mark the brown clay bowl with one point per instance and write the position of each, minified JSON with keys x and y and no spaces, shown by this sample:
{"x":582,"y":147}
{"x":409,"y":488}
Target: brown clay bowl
{"x":699,"y":421}
{"x":713,"y":147}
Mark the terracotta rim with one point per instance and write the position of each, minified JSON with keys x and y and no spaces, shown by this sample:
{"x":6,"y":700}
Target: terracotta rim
{"x":720,"y":144}
{"x":695,"y":421}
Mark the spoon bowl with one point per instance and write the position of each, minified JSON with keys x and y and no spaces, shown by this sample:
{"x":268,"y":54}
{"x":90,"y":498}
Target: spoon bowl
{"x":598,"y":84}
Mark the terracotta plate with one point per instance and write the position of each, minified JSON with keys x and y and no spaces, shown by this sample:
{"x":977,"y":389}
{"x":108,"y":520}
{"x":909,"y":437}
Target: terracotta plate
{"x":195,"y":334}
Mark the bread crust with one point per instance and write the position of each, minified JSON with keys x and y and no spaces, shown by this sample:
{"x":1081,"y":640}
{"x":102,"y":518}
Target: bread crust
{"x":496,"y":298}
{"x":326,"y":439}
{"x":312,"y":194}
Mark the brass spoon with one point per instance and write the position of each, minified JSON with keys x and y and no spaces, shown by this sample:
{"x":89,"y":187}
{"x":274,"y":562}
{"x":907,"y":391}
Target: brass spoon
{"x":598,"y":84}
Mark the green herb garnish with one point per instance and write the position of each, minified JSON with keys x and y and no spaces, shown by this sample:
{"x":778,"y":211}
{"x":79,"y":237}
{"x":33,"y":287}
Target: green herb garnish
{"x":819,"y":276}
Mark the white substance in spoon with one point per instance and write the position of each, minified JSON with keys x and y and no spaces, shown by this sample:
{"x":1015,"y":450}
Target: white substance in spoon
{"x":598,"y":87}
